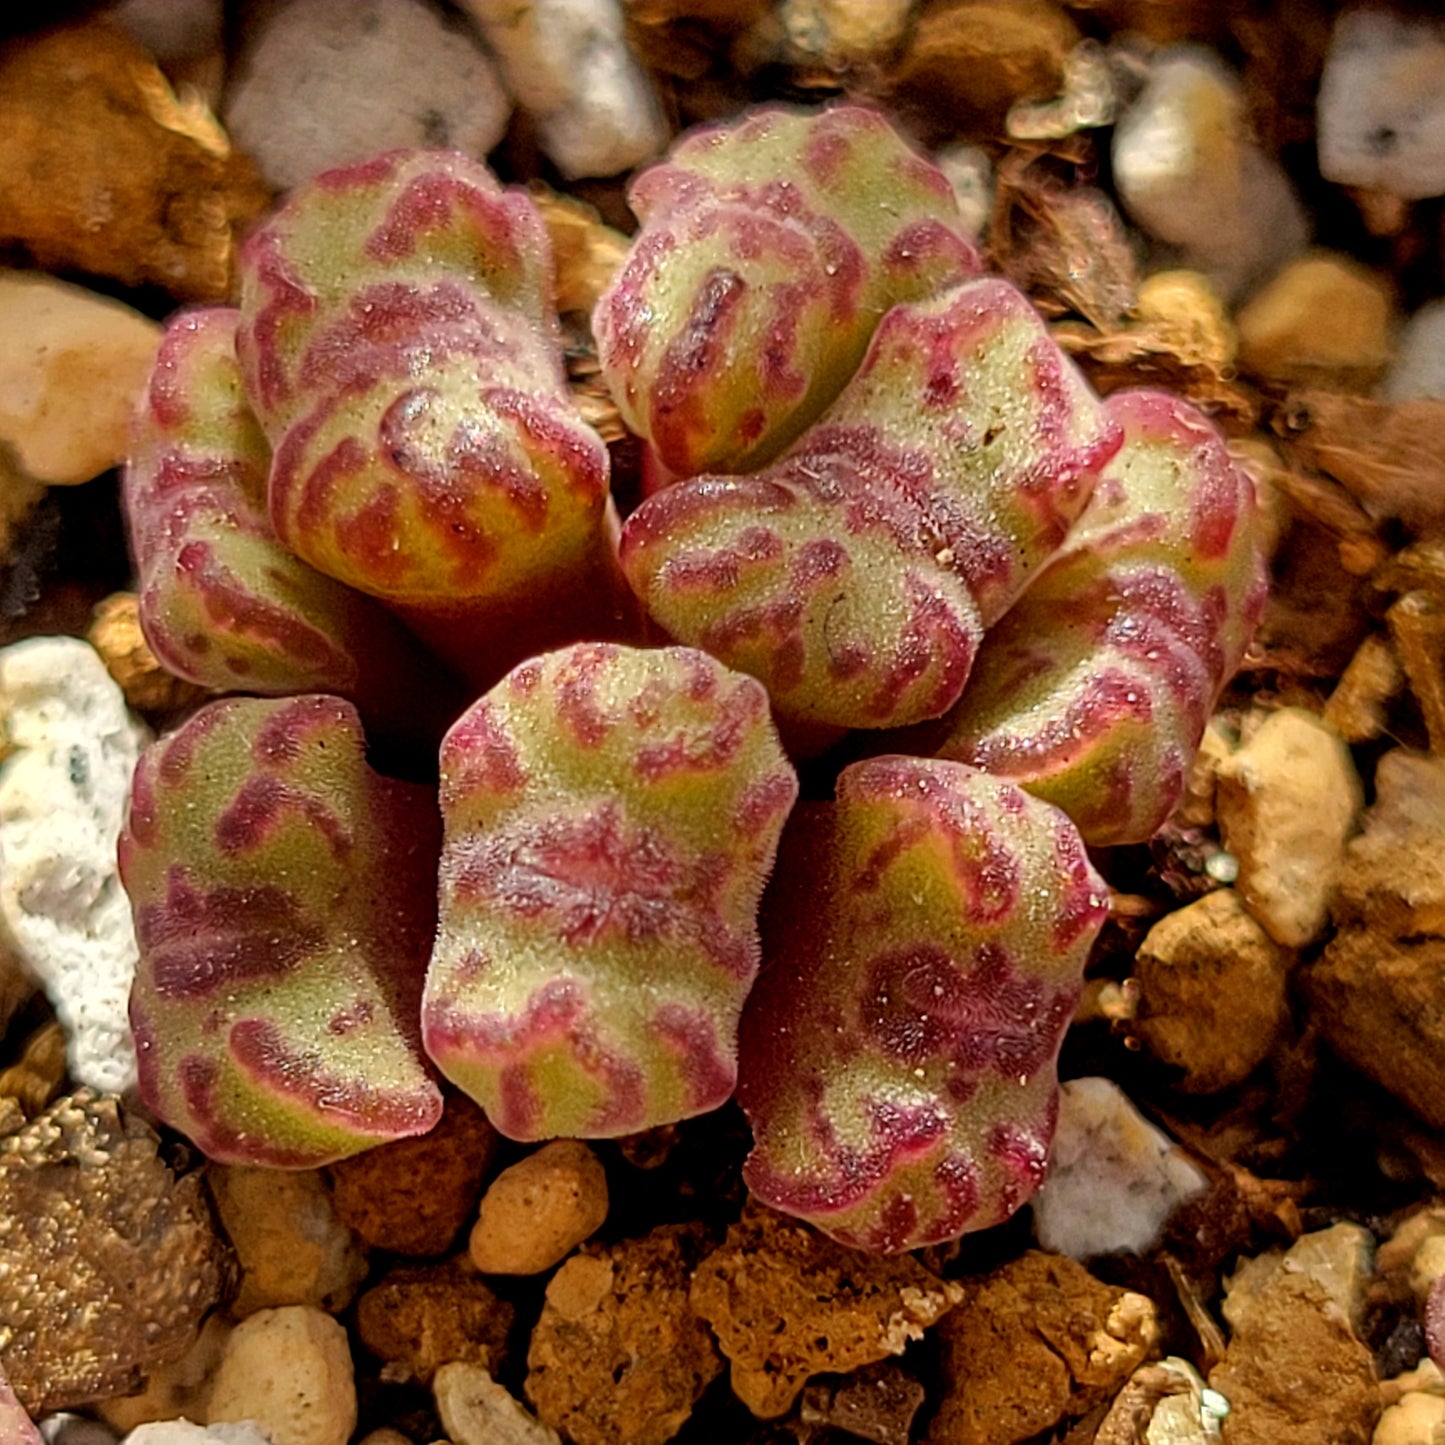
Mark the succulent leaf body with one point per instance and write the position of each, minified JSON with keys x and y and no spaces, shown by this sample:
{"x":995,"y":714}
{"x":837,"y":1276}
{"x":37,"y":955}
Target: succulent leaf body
{"x":1094,"y":691}
{"x":925,"y":942}
{"x":857,"y":575}
{"x":400,"y":349}
{"x":284,"y":898}
{"x":770,"y":248}
{"x":611,"y":817}
{"x":222,"y":602}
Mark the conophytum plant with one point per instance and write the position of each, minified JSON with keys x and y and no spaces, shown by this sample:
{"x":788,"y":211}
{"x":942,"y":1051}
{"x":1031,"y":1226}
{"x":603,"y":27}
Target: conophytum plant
{"x":893,"y":509}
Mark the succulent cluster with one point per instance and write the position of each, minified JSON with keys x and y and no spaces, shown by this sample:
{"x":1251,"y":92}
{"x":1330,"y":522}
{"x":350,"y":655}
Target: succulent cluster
{"x":893,"y":510}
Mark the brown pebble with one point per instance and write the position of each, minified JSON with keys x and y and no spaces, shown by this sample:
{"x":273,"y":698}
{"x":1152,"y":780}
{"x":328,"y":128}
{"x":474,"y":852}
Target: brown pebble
{"x":1358,"y":706}
{"x":115,"y":634}
{"x":786,"y":1302}
{"x":618,"y":1353}
{"x":421,"y":1316}
{"x":1417,"y":624}
{"x":876,"y":1403}
{"x":413,"y":1197}
{"x":103,"y":170}
{"x":539,"y":1211}
{"x":110,"y":1262}
{"x":1212,"y":992}
{"x":1294,"y":1373}
{"x":1035,"y":1342}
{"x":292,"y":1248}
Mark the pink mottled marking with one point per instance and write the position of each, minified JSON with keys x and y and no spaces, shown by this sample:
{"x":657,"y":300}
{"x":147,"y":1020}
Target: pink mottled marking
{"x":197,"y":942}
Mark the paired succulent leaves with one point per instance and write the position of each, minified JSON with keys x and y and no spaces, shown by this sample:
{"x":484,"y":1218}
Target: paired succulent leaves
{"x":901,"y":508}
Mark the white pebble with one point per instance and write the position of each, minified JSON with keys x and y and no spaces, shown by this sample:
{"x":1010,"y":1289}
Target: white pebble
{"x":184,"y":1432}
{"x":1114,"y":1179}
{"x":1418,"y":370}
{"x":63,"y":795}
{"x":333,"y":81}
{"x":1381,"y":107}
{"x":1190,"y":174}
{"x":289,"y":1371}
{"x":567,"y":63}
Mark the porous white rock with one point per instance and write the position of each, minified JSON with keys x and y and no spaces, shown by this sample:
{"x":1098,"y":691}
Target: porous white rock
{"x":71,"y":368}
{"x":1190,"y":173}
{"x":1114,"y":1179}
{"x":1381,"y":104}
{"x":63,"y":794}
{"x":186,"y":1432}
{"x":289,"y":1371}
{"x":567,"y":63}
{"x":1418,"y":370}
{"x":327,"y":82}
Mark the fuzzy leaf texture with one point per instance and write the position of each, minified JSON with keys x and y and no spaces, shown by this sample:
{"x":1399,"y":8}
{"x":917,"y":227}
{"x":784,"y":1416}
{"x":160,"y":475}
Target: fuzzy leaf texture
{"x":770,"y":248}
{"x":222,"y":602}
{"x":925,"y":942}
{"x":856,"y":576}
{"x":399,"y":346}
{"x":1094,"y":691}
{"x":611,"y":816}
{"x":284,"y":899}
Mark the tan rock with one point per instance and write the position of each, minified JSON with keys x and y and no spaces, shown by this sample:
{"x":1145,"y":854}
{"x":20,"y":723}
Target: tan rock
{"x":103,"y":169}
{"x":969,"y":60}
{"x":1287,"y":800}
{"x":1406,"y":1261}
{"x":1033,"y":1343}
{"x":539,"y":1211}
{"x":1357,"y":708}
{"x":1196,"y":807}
{"x":1392,"y":880}
{"x":618,"y":1353}
{"x":841,"y":34}
{"x":420,"y":1317}
{"x":179,"y":1389}
{"x":116,"y":635}
{"x":786,"y":1302}
{"x":477,"y":1411}
{"x":1417,"y":627}
{"x":1380,"y":1006}
{"x":1417,"y":1418}
{"x":292,"y":1247}
{"x":71,"y":369}
{"x":414,"y":1196}
{"x":1294,"y":1372}
{"x":1339,"y":1259}
{"x":1212,"y":992}
{"x":288,"y":1370}
{"x":1324,"y":320}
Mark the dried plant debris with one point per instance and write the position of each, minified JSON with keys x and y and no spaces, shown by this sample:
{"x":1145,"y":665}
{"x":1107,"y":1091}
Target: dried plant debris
{"x":109,"y":1261}
{"x":786,"y":1302}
